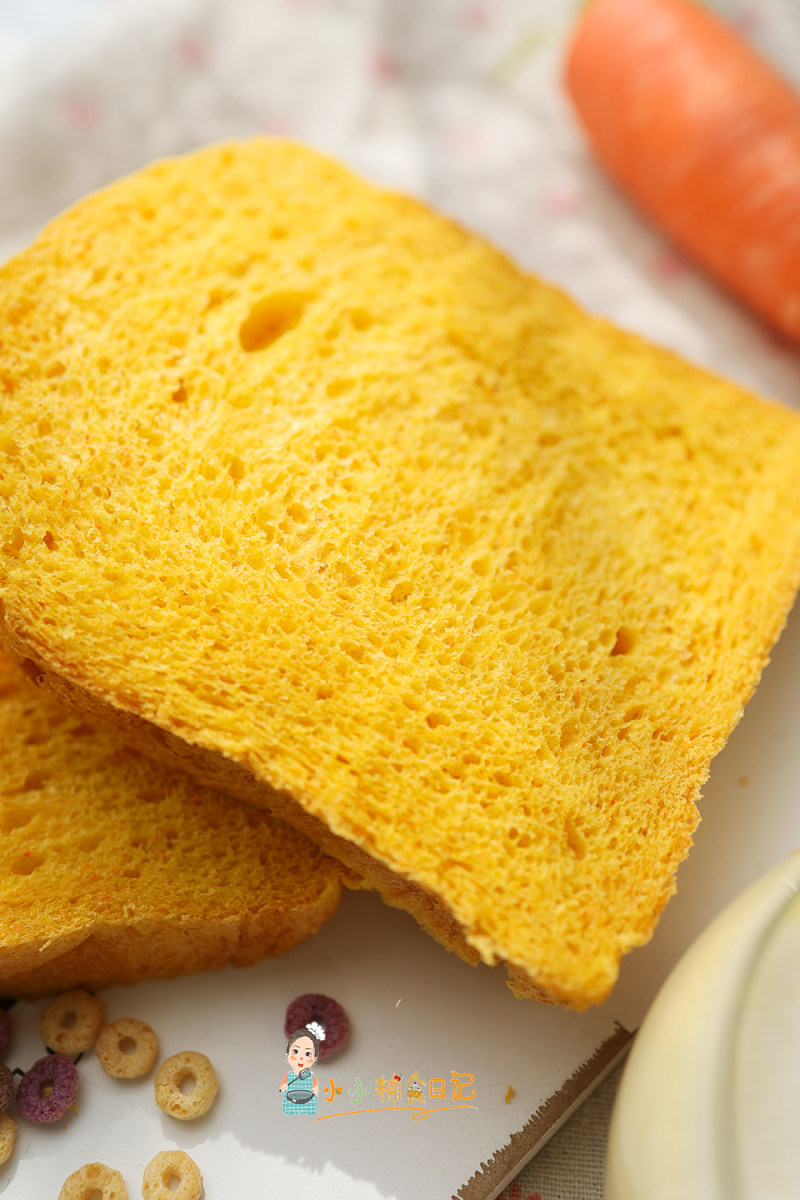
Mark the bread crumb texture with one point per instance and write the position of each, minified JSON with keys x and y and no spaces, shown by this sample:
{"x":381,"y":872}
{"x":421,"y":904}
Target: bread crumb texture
{"x":310,"y":477}
{"x":114,"y":869}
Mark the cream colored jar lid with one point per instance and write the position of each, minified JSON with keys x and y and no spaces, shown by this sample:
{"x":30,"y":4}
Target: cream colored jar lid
{"x":707,"y":1107}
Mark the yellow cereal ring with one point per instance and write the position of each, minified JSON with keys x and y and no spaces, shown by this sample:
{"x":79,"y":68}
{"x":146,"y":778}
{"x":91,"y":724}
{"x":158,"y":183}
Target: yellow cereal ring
{"x":70,"y":1023}
{"x":126,"y":1048}
{"x":181,"y":1069}
{"x":8,"y":1136}
{"x":96,"y":1181}
{"x":172,"y":1175}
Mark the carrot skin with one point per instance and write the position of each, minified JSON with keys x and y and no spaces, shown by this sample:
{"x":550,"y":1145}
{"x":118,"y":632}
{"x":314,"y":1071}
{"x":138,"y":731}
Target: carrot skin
{"x":703,"y":134}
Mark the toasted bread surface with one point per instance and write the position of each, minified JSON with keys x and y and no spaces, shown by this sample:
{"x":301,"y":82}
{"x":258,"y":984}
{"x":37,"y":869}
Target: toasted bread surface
{"x":114,"y":869}
{"x":314,"y":492}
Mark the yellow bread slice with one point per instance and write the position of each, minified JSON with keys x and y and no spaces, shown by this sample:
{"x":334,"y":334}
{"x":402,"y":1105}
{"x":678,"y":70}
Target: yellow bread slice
{"x":314,"y":493}
{"x":114,"y":869}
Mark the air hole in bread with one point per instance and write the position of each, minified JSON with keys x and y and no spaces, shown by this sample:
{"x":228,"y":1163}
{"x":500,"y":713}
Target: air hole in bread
{"x":569,"y":731}
{"x":298,"y":511}
{"x":401,"y":591}
{"x":269,"y":319}
{"x":361,"y":318}
{"x":13,"y":818}
{"x":575,"y":839}
{"x":339,"y":387}
{"x":15,"y":543}
{"x":624,"y":642}
{"x":26,"y":864}
{"x":34,"y":781}
{"x":437,"y":718}
{"x":38,"y":737}
{"x":216,"y":296}
{"x":236,"y":468}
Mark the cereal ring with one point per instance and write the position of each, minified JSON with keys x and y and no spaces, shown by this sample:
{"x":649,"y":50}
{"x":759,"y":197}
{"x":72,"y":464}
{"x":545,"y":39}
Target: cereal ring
{"x":127,"y":1048}
{"x":5,"y":1032}
{"x":96,"y":1181}
{"x":54,"y":1071}
{"x":6,"y":1087}
{"x":8,"y":1137}
{"x":175,"y":1071}
{"x":323,"y":1011}
{"x":70,"y":1023}
{"x":172,"y":1175}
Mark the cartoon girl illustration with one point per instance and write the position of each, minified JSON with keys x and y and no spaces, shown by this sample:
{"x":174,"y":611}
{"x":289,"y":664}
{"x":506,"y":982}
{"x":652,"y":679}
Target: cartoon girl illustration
{"x":299,"y":1085}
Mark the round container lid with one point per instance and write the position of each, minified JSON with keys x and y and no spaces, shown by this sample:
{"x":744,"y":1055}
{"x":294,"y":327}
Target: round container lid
{"x":706,"y":1108}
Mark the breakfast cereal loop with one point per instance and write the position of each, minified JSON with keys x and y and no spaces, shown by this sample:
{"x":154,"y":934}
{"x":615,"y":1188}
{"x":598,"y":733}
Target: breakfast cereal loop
{"x":47,"y":1089}
{"x":315,"y":1009}
{"x":70,"y":1023}
{"x":178,"y":1070}
{"x":8,"y":1137}
{"x":126,"y":1048}
{"x":94,"y":1181}
{"x":172,"y":1175}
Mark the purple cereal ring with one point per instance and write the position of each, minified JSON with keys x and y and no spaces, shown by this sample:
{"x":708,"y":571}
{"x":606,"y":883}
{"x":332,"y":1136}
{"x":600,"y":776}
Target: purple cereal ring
{"x":319,"y":1010}
{"x":53,"y":1071}
{"x":5,"y":1032}
{"x":6,"y":1087}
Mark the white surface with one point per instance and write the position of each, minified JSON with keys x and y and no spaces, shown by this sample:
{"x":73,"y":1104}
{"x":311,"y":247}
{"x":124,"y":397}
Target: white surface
{"x":457,"y":102}
{"x":413,"y":1008}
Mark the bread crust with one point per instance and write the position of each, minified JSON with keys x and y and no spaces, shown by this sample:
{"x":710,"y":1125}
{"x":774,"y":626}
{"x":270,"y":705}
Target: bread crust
{"x":228,"y":776}
{"x":141,"y":940}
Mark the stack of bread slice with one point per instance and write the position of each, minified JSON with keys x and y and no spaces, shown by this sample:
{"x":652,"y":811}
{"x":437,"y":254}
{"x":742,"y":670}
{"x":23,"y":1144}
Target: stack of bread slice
{"x":313,"y":494}
{"x":115,"y":869}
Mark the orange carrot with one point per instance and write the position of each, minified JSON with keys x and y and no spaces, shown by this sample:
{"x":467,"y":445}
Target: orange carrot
{"x":703,"y":134}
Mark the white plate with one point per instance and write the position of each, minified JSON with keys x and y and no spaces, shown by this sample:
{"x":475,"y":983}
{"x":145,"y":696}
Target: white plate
{"x":707,"y":1105}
